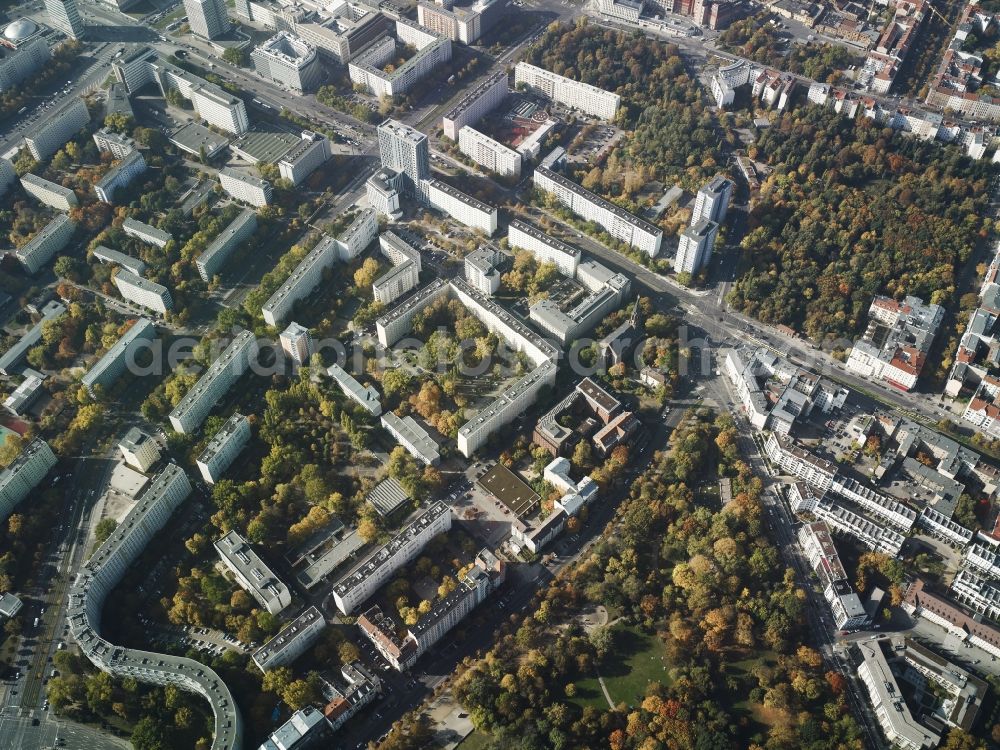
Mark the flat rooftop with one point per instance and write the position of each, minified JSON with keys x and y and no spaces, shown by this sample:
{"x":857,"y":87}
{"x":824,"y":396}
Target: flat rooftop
{"x":509,"y":489}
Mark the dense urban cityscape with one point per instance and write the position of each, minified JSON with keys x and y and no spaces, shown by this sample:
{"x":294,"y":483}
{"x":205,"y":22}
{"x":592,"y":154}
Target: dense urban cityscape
{"x":500,"y":374}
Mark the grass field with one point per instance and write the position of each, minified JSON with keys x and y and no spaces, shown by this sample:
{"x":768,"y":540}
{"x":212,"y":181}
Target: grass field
{"x":475,"y":741}
{"x":638,"y":659}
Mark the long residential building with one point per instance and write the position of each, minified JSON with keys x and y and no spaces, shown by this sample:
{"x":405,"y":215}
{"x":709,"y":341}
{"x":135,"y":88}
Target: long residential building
{"x":143,"y":292}
{"x":24,"y":474}
{"x":366,"y":396}
{"x":252,"y":573}
{"x":39,"y":250}
{"x":292,"y":641}
{"x":489,"y":153}
{"x":367,"y":68}
{"x":215,"y":255}
{"x":22,"y":63}
{"x":874,"y":536}
{"x":481,"y":100}
{"x":618,"y":222}
{"x":112,"y":365}
{"x":409,"y":434}
{"x":102,"y":572}
{"x":309,"y":272}
{"x":146,"y":233}
{"x":575,"y":94}
{"x":245,"y":187}
{"x":49,"y":193}
{"x":223,"y":373}
{"x":213,"y":104}
{"x":57,"y":128}
{"x":13,"y":356}
{"x":794,"y":459}
{"x":119,"y":176}
{"x":302,"y":159}
{"x":845,"y":605}
{"x":223,"y":448}
{"x":114,"y":257}
{"x":461,"y":207}
{"x":544,"y":247}
{"x":359,"y":585}
{"x":460,"y":24}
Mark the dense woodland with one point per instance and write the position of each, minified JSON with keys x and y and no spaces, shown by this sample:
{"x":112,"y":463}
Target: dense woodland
{"x":705,"y":583}
{"x":672,"y":138}
{"x":853,"y":210}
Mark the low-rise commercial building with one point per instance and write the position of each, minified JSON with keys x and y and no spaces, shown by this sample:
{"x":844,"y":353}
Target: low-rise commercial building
{"x":223,"y":448}
{"x":25,"y":395}
{"x":49,"y":193}
{"x":359,"y":585}
{"x":113,"y":364}
{"x":143,"y":292}
{"x":52,"y":239}
{"x":252,"y":573}
{"x":223,"y":373}
{"x":241,"y":228}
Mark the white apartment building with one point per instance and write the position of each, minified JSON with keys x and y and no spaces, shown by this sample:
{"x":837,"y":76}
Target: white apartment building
{"x":398,"y":250}
{"x":482,"y":269}
{"x":365,"y":396}
{"x":891,"y":711}
{"x":432,"y":51}
{"x":359,"y":585}
{"x":574,"y":94}
{"x":301,"y":282}
{"x":409,"y":434}
{"x":223,"y":373}
{"x":983,"y":409}
{"x":288,"y":61}
{"x":695,"y":247}
{"x":245,"y":187}
{"x":382,"y":192}
{"x":57,"y":128}
{"x":296,"y":343}
{"x":845,"y":605}
{"x":116,"y":144}
{"x":146,"y":233}
{"x":113,"y":257}
{"x":874,"y":536}
{"x":143,"y":292}
{"x":507,"y":407}
{"x":64,"y":16}
{"x":567,"y":324}
{"x":360,"y":233}
{"x":101,"y":574}
{"x":481,"y":100}
{"x":305,"y":157}
{"x":10,"y":358}
{"x":18,"y":65}
{"x":219,"y":108}
{"x":252,"y":573}
{"x":139,"y":449}
{"x":544,"y":247}
{"x":459,"y":206}
{"x":24,"y":474}
{"x":615,"y":220}
{"x":119,"y":176}
{"x":39,"y":250}
{"x":112,"y":365}
{"x":795,"y":460}
{"x":405,"y":150}
{"x":881,"y":506}
{"x":49,"y":193}
{"x":395,"y":282}
{"x":241,"y":228}
{"x":489,"y":153}
{"x":712,"y":201}
{"x":223,"y":448}
{"x":941,"y":526}
{"x":207,"y":18}
{"x":978,"y":593}
{"x":983,"y":559}
{"x":7,"y":175}
{"x":292,"y":641}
